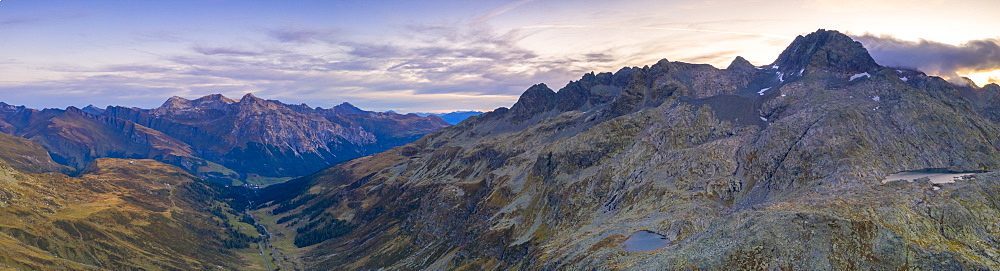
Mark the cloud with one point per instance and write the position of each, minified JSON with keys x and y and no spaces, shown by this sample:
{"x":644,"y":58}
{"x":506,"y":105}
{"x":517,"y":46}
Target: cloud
{"x":209,"y":51}
{"x":159,"y":35}
{"x":445,"y":67}
{"x":853,"y":6}
{"x":42,"y":18}
{"x":297,"y":35}
{"x":713,"y":57}
{"x":17,"y":21}
{"x":503,"y":9}
{"x":933,"y":57}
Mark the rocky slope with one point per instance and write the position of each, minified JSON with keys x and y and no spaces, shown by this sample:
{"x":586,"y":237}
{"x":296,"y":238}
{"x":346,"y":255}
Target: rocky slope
{"x":778,"y":166}
{"x":250,"y":139}
{"x":117,"y":215}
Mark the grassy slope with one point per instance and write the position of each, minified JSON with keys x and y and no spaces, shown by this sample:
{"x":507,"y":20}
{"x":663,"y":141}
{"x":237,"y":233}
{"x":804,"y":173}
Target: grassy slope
{"x":27,"y":156}
{"x":120,"y":214}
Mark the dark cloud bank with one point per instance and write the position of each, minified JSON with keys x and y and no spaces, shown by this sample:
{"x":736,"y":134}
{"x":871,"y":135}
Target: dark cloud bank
{"x":933,"y":57}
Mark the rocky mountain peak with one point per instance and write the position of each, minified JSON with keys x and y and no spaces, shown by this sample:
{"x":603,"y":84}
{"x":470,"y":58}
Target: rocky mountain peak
{"x":537,"y":99}
{"x":825,"y":50}
{"x":740,"y":63}
{"x":176,"y":102}
{"x":178,"y":105}
{"x":214,"y":98}
{"x":253,"y":103}
{"x":249,"y":98}
{"x":969,"y":82}
{"x":93,"y":110}
{"x":4,"y":107}
{"x":992,"y":87}
{"x":347,"y":108}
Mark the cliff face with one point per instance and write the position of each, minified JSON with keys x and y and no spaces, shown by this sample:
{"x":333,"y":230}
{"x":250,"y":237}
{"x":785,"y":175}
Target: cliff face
{"x":217,"y":137}
{"x":777,"y":166}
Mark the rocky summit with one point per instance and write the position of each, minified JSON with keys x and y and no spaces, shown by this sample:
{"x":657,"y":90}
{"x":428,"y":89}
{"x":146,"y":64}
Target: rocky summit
{"x":779,"y":166}
{"x":250,"y":140}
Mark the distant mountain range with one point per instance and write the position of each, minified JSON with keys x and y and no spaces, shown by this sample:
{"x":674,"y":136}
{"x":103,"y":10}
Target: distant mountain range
{"x":452,"y":117}
{"x":250,"y":140}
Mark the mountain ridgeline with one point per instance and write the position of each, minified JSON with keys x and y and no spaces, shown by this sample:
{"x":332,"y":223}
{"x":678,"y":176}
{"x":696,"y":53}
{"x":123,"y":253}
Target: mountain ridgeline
{"x":759,"y":167}
{"x":232,"y":141}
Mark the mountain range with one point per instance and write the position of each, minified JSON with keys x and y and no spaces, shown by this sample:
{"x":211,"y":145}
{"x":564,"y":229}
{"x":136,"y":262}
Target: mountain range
{"x":453,"y":117}
{"x":780,"y":166}
{"x":250,"y":140}
{"x":672,"y":166}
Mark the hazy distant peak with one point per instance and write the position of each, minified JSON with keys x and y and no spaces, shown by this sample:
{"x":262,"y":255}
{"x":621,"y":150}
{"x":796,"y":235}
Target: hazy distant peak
{"x":347,"y":108}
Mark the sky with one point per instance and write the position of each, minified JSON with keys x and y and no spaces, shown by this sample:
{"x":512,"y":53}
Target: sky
{"x":437,"y":55}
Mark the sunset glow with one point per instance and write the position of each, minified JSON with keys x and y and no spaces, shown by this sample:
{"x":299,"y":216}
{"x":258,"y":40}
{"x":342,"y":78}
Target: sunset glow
{"x":61,"y":53}
{"x":984,"y":78}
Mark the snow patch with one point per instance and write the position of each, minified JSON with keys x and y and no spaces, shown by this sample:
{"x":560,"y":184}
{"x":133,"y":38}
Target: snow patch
{"x":876,"y":98}
{"x":763,"y":118}
{"x":904,"y":79}
{"x":775,"y":67}
{"x":801,"y":71}
{"x":782,"y":95}
{"x":781,"y":77}
{"x":761,"y":92}
{"x":856,"y":76}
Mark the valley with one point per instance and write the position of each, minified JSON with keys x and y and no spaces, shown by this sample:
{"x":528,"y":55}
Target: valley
{"x":729,"y":177}
{"x":671,"y":166}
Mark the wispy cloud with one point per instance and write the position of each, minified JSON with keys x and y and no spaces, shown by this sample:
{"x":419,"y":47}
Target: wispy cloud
{"x":17,"y":21}
{"x":659,"y":27}
{"x":223,"y":51}
{"x":300,"y":35}
{"x":933,"y":57}
{"x":503,"y":9}
{"x":443,"y":66}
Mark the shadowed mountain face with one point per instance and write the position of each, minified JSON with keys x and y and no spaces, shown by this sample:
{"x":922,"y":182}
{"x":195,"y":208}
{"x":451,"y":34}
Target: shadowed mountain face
{"x":217,"y":137}
{"x":779,"y":166}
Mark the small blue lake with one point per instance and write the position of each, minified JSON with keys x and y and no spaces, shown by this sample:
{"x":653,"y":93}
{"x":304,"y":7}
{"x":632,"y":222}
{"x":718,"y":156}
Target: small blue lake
{"x":935,"y":175}
{"x":642,"y":241}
